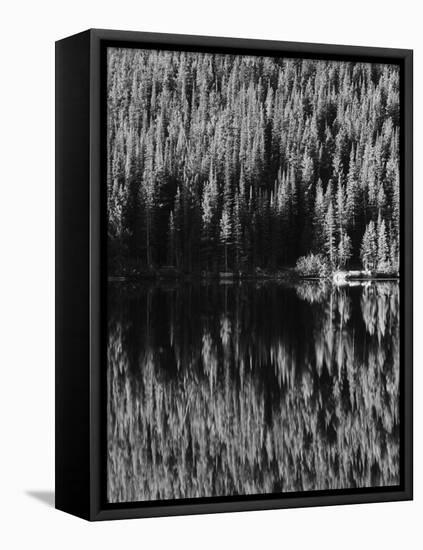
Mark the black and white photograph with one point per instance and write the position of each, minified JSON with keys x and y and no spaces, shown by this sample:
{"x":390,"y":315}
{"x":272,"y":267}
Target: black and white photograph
{"x":253,"y":275}
{"x":210,"y":237}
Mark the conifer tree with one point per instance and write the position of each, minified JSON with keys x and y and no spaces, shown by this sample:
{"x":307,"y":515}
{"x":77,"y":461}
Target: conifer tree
{"x":330,"y":241}
{"x":225,"y":235}
{"x":368,"y":251}
{"x":318,"y":218}
{"x":237,"y":233}
{"x":382,"y":246}
{"x":344,"y":250}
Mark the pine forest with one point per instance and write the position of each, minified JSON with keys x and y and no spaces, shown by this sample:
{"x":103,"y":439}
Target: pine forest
{"x":228,"y":163}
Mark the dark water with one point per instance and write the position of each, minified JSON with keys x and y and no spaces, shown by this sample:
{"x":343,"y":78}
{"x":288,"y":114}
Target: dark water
{"x":220,"y":390}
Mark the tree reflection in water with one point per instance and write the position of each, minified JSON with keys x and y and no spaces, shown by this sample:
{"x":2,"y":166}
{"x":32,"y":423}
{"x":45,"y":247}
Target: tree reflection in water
{"x":219,"y":390}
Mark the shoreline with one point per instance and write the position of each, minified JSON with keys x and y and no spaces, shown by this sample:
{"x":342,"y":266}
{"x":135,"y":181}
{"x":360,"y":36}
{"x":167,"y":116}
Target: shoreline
{"x":289,"y":276}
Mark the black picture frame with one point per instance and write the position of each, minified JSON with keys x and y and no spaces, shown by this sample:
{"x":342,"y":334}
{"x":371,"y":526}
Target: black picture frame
{"x":80,"y":279}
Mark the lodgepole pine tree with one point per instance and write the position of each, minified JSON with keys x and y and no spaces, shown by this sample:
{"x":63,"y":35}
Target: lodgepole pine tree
{"x":329,"y":228}
{"x":344,"y":250}
{"x":368,"y":251}
{"x":225,"y":235}
{"x":383,"y":260}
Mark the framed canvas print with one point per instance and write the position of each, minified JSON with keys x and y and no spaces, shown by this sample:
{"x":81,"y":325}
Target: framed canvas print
{"x":233,"y":274}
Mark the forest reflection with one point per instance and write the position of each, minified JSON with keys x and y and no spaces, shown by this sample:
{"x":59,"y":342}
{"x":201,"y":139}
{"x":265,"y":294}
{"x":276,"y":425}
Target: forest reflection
{"x":251,"y":388}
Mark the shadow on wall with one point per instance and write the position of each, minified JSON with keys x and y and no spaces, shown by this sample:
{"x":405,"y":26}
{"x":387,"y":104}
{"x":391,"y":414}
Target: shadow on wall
{"x":46,"y":497}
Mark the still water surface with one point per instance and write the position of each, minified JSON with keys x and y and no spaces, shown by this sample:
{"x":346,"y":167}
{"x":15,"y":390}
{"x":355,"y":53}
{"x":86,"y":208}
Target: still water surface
{"x":236,"y":389}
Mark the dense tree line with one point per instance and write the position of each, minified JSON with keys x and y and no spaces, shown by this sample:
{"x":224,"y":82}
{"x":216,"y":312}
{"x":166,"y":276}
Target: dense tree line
{"x":220,"y":162}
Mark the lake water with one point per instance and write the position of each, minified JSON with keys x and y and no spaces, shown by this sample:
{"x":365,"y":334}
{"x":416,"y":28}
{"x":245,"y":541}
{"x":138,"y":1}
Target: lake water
{"x":251,"y":388}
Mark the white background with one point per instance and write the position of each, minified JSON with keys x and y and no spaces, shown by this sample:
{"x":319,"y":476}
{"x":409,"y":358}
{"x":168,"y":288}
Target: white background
{"x":29,"y":29}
